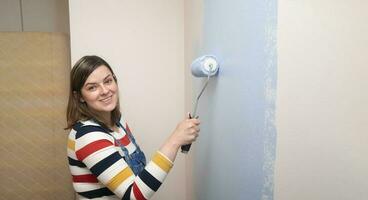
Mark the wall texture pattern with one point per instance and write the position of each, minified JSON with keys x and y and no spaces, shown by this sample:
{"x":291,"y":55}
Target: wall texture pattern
{"x":33,"y":88}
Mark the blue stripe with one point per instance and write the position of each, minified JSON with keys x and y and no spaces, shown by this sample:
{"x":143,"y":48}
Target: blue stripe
{"x":101,"y":166}
{"x":149,"y":180}
{"x":96,"y":193}
{"x":127,"y":193}
{"x":87,"y":129}
{"x":77,"y":163}
{"x":77,"y":125}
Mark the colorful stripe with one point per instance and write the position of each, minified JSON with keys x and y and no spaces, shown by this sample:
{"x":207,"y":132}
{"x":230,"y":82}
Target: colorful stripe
{"x":77,"y":163}
{"x":88,"y":129}
{"x":87,"y":178}
{"x":96,"y":193}
{"x":91,"y":148}
{"x":71,"y":144}
{"x":105,"y":163}
{"x":137,"y":192}
{"x":125,"y":140}
{"x":98,"y":169}
{"x":149,"y":180}
{"x":162,"y":162}
{"x":127,"y":128}
{"x":119,"y":178}
{"x":127,"y":193}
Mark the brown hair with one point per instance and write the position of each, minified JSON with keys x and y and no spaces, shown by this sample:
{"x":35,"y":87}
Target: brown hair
{"x":78,"y":110}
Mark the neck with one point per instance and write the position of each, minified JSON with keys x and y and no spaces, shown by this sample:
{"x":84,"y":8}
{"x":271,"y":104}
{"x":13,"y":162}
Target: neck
{"x":107,"y":118}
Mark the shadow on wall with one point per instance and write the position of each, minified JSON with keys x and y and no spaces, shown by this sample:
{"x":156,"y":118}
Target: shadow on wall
{"x":33,"y":86}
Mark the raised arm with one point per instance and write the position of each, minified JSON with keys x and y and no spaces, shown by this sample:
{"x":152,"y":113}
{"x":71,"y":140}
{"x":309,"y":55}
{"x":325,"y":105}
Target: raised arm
{"x":96,"y":150}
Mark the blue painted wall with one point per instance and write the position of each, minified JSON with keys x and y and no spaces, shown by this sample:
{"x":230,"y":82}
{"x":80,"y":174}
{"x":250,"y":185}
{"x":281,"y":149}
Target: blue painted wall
{"x":235,"y":153}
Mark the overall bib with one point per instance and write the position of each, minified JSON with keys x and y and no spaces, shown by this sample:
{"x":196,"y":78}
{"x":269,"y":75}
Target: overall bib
{"x":135,"y":160}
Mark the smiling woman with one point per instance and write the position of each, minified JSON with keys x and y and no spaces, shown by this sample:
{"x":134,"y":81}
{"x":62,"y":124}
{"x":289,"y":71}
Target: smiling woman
{"x":93,"y":92}
{"x":104,"y":159}
{"x":101,"y":81}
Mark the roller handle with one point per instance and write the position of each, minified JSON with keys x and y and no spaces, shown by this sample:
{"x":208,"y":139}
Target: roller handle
{"x":185,"y":148}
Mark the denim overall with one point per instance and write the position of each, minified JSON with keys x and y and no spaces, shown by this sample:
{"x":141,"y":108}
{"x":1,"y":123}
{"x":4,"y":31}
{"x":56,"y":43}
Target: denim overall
{"x":136,"y":160}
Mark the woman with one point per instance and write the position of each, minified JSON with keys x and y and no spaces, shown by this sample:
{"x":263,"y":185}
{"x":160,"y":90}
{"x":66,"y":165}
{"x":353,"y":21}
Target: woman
{"x":104,"y":159}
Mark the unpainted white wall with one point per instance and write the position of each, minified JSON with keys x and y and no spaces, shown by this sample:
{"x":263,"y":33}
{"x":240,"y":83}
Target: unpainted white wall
{"x":322,"y":111}
{"x":144,"y":43}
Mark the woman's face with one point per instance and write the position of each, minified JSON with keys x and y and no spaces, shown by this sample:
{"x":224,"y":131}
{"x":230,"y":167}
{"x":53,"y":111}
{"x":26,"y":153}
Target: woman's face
{"x":100,"y":91}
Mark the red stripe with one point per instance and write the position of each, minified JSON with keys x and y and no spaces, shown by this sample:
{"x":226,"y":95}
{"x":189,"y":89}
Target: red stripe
{"x":125,"y":140}
{"x":86,"y":178}
{"x":91,"y":148}
{"x":127,"y":128}
{"x":137,"y":193}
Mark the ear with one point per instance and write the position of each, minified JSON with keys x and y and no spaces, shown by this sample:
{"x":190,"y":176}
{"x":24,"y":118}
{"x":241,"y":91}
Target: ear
{"x":77,"y":96}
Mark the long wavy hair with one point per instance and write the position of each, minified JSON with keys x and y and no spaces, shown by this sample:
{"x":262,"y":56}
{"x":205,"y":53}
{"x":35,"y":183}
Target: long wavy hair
{"x":78,"y":110}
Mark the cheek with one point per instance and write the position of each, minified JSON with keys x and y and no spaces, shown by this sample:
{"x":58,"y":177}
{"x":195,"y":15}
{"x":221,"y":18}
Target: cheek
{"x":89,"y":97}
{"x":115,"y":89}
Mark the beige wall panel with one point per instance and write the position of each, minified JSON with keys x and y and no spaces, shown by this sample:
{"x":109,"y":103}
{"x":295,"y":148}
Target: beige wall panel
{"x":10,"y":15}
{"x":46,"y":15}
{"x":33,"y":88}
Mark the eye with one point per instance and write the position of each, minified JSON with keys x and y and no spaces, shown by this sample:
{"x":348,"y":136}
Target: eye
{"x":91,"y":88}
{"x":109,"y":81}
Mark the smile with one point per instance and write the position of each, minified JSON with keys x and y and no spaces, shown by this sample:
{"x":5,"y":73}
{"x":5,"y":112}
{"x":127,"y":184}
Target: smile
{"x":106,"y":100}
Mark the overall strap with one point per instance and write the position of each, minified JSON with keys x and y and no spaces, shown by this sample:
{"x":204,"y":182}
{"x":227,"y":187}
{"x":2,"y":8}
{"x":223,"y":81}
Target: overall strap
{"x":130,"y":135}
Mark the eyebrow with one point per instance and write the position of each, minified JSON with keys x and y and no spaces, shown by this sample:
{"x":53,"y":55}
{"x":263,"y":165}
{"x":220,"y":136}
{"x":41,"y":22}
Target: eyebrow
{"x":93,"y":83}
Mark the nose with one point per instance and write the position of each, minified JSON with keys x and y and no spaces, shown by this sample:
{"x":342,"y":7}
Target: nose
{"x":104,"y":89}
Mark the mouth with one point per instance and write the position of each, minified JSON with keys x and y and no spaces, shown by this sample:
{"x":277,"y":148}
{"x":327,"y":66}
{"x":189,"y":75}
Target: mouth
{"x":107,"y":99}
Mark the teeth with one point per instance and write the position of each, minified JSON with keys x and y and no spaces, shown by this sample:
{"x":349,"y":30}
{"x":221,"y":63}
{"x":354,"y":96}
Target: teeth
{"x":107,"y":99}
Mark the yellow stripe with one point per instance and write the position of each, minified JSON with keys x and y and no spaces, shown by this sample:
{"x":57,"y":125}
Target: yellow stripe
{"x":119,"y":178}
{"x":71,"y":144}
{"x":162,"y":162}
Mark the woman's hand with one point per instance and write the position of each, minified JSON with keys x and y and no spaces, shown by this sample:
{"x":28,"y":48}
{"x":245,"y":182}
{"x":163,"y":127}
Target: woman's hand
{"x":185,"y":132}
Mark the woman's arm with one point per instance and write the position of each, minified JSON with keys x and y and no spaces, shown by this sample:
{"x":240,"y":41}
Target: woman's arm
{"x":97,"y":151}
{"x":186,"y":132}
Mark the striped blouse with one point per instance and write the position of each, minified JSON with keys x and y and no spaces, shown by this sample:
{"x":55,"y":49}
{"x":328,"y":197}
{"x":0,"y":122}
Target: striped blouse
{"x":99,"y":170}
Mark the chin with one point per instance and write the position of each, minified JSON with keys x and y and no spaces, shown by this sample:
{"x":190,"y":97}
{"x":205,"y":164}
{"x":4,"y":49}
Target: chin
{"x":109,"y":108}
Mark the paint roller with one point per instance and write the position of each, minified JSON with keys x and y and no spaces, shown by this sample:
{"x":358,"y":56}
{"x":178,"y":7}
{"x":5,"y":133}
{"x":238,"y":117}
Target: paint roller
{"x":204,"y":66}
